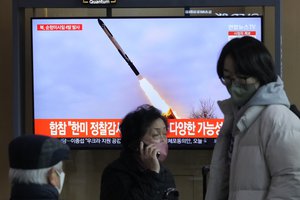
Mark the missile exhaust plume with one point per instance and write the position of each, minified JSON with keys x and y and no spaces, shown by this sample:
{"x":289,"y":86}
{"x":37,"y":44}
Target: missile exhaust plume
{"x":148,"y":89}
{"x":153,"y":95}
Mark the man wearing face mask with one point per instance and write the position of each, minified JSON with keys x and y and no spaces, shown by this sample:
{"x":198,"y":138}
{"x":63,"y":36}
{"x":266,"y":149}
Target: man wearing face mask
{"x":36,"y":167}
{"x":138,"y":174}
{"x":257,"y":154}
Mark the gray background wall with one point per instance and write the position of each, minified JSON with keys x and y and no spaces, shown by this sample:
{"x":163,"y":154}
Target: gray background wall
{"x":86,"y":166}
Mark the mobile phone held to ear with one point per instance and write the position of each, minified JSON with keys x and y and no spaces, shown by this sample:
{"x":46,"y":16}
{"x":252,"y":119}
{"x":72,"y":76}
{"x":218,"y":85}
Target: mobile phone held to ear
{"x":145,"y":145}
{"x":158,"y":154}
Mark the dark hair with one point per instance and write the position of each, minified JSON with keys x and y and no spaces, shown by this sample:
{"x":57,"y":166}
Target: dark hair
{"x":136,"y":123}
{"x":251,"y":58}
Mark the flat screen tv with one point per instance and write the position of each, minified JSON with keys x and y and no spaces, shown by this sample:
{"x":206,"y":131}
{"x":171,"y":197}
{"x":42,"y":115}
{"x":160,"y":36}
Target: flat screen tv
{"x":87,"y":77}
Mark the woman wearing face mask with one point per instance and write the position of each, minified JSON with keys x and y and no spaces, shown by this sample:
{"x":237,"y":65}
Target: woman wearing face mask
{"x":138,"y":174}
{"x":257,"y":154}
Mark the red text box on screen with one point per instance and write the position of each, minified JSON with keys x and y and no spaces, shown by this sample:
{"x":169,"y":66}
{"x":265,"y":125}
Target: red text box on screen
{"x":109,"y":128}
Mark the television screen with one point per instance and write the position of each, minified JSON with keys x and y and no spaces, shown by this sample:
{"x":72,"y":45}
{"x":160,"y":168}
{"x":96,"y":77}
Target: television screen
{"x":87,"y":77}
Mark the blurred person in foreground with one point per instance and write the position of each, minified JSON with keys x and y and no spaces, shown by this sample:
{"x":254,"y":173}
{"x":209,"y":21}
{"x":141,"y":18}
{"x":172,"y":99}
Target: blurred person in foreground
{"x":138,"y":174}
{"x":36,"y":167}
{"x":257,"y":154}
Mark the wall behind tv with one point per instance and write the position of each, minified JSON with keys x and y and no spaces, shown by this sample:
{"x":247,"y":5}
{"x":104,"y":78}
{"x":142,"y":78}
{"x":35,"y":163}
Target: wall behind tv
{"x":5,"y":93}
{"x":84,"y":170}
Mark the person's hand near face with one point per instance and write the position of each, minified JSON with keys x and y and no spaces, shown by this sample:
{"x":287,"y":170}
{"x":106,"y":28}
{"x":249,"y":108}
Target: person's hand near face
{"x":151,"y":145}
{"x":149,"y":157}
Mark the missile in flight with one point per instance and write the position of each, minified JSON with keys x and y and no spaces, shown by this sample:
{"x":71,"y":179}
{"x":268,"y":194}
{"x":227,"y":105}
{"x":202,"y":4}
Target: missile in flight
{"x":120,"y":50}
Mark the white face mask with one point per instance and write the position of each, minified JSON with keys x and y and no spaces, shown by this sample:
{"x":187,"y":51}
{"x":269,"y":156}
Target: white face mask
{"x":62,"y":180}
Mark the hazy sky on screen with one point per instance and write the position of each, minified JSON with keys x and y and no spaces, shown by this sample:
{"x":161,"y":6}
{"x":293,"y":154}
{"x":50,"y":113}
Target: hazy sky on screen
{"x":80,"y":74}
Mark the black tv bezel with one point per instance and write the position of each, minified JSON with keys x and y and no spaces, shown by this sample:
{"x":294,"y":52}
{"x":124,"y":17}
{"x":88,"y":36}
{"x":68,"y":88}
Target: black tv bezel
{"x":21,"y":117}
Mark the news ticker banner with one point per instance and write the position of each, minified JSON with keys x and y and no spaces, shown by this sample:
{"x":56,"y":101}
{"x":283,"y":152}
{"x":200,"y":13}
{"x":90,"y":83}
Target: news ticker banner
{"x":109,"y":128}
{"x":109,"y":142}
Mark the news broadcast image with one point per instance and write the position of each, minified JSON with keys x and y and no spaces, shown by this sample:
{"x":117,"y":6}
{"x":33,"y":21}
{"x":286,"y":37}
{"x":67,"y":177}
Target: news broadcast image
{"x":83,"y":86}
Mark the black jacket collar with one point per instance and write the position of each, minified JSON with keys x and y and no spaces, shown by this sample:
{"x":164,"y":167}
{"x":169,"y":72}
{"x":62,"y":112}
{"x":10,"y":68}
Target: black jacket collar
{"x":33,"y":191}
